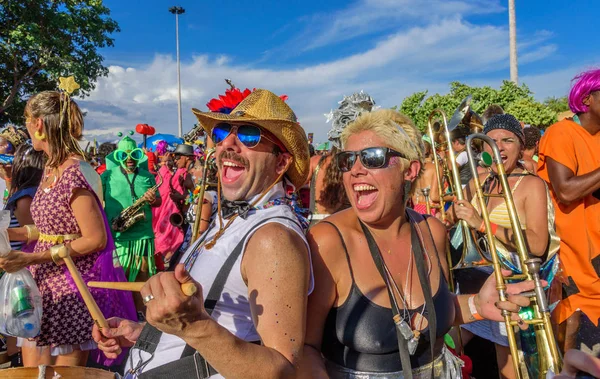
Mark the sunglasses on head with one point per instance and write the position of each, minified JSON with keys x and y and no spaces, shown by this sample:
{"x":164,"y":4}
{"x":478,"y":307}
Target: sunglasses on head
{"x":249,"y":135}
{"x":135,"y":154}
{"x":371,"y":157}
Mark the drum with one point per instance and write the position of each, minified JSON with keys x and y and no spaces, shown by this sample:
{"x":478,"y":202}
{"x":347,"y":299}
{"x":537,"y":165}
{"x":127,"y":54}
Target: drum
{"x":56,"y":372}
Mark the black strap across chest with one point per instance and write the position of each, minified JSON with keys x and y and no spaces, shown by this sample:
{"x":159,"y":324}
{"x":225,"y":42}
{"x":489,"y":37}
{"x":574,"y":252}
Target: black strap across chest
{"x":192,"y":364}
{"x":417,"y":251}
{"x":131,"y":182}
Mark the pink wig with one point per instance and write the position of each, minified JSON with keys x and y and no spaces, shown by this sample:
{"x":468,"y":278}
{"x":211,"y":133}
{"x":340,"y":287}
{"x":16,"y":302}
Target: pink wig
{"x":161,"y":147}
{"x":585,"y":83}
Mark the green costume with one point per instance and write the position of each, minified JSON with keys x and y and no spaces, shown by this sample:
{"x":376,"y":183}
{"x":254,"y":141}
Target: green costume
{"x":134,"y":246}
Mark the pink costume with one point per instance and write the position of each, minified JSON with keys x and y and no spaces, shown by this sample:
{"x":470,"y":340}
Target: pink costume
{"x":168,"y":237}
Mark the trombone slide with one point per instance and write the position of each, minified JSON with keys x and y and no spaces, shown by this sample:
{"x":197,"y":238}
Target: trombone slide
{"x":203,"y":184}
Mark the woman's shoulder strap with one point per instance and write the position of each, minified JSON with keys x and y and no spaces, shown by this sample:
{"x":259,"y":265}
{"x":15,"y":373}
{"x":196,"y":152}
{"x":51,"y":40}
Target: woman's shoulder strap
{"x":343,"y":246}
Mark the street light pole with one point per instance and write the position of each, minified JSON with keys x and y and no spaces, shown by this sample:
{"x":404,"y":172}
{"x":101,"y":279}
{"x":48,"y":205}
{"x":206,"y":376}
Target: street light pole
{"x":177,"y":11}
{"x":512,"y":25}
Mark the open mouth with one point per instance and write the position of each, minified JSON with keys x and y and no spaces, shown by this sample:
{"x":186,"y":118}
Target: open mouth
{"x":232,"y":171}
{"x":366,"y":195}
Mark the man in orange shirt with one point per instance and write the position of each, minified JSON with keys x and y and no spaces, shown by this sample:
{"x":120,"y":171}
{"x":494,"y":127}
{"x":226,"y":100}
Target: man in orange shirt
{"x":569,"y":160}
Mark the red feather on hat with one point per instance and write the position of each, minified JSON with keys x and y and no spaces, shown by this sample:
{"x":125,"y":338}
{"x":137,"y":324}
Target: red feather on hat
{"x":226,"y":103}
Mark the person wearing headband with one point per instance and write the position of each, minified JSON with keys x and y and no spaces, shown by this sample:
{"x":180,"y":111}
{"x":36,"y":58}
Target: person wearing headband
{"x":67,"y":212}
{"x":569,"y":161}
{"x":125,"y":181}
{"x":381,"y":270}
{"x":251,"y":267}
{"x":536,"y":215}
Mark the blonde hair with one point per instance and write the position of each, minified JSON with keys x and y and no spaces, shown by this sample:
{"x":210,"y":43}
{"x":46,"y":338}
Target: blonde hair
{"x":399,"y":132}
{"x":62,"y":135}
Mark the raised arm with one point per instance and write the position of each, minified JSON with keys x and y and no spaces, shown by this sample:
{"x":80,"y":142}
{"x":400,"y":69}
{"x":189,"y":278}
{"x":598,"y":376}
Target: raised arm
{"x":276,"y":267}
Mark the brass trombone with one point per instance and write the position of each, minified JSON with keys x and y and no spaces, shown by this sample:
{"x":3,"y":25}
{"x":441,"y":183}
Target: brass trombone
{"x":471,"y":255}
{"x":549,"y":358}
{"x":203,"y":184}
{"x":436,"y":160}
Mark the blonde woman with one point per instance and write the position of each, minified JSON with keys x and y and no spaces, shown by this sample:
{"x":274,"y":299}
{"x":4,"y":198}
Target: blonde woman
{"x":377,"y":260}
{"x":66,"y":211}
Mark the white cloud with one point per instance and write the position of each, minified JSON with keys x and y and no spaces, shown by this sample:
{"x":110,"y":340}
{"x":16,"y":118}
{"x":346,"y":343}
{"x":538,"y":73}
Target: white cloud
{"x":409,"y":59}
{"x":371,"y":16}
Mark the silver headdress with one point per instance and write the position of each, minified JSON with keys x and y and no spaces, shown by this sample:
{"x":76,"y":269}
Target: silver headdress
{"x":350,"y":108}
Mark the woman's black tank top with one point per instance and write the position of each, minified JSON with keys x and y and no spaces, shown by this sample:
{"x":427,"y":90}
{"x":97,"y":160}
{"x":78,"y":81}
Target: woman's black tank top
{"x":361,"y":335}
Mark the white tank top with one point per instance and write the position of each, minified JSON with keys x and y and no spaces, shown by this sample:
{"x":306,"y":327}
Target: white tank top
{"x":232,"y":310}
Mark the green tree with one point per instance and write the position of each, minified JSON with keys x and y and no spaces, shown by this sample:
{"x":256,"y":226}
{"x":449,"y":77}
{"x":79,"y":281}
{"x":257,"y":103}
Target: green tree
{"x":42,"y":40}
{"x":514,"y":99}
{"x":557,"y":104}
{"x":531,"y":112}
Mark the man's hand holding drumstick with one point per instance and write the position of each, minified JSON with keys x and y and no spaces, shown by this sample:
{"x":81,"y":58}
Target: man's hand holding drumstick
{"x":169,"y":309}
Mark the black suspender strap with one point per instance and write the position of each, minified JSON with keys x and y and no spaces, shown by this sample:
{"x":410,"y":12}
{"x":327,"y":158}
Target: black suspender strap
{"x":424,"y":279}
{"x":192,"y":364}
{"x":417,"y":251}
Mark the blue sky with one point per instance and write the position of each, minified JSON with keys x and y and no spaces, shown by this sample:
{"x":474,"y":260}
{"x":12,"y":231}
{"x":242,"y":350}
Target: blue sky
{"x":318,"y":51}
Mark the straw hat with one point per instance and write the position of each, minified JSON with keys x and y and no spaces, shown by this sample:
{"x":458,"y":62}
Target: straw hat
{"x":267,"y":110}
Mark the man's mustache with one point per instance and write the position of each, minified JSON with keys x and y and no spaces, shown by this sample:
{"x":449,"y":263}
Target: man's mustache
{"x":230,"y":155}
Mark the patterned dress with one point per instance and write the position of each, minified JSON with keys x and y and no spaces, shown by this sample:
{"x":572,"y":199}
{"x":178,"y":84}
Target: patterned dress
{"x":65,"y":319}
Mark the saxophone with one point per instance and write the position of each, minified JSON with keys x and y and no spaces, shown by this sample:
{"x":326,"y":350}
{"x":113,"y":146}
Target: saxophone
{"x":132,"y":213}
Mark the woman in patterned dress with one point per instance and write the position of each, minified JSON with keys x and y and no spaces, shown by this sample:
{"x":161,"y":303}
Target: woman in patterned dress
{"x":66,"y":210}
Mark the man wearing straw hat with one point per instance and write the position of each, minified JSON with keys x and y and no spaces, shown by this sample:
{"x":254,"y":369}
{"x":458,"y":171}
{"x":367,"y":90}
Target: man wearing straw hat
{"x":252,"y":266}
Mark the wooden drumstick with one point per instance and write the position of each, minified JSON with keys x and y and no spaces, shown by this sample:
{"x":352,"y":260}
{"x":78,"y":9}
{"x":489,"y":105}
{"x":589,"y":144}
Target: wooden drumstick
{"x":188,"y":289}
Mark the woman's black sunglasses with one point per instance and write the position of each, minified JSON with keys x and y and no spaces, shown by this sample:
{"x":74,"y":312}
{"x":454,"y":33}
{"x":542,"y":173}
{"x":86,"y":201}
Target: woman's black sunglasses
{"x":371,"y":157}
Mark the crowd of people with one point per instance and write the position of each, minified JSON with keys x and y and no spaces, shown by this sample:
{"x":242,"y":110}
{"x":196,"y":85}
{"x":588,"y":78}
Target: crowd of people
{"x":339,"y":265}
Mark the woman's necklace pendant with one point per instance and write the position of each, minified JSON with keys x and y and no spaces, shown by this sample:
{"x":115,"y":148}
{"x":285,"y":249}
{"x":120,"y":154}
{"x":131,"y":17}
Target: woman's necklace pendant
{"x":411,"y":336}
{"x":49,"y":188}
{"x":413,"y":342}
{"x":405,"y":330}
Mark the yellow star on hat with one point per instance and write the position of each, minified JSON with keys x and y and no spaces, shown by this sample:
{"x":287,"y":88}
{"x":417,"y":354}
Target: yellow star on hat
{"x":68,"y":84}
